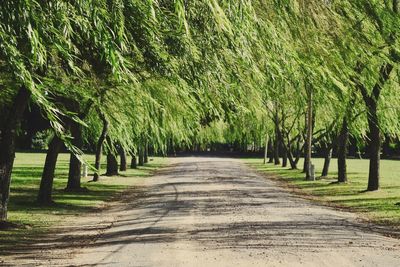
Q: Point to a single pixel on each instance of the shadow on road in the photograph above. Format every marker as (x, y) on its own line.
(258, 214)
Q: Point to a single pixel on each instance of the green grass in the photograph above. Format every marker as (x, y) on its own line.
(379, 206)
(26, 175)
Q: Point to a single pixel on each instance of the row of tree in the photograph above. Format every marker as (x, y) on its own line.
(346, 54)
(332, 77)
(125, 75)
(120, 74)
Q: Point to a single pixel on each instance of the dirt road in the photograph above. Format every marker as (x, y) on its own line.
(217, 212)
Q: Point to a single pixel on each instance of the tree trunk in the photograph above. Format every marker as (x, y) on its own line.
(287, 153)
(133, 162)
(7, 147)
(123, 164)
(308, 152)
(284, 158)
(298, 151)
(292, 161)
(99, 147)
(277, 160)
(271, 149)
(327, 161)
(343, 141)
(169, 147)
(146, 153)
(112, 164)
(374, 134)
(305, 147)
(46, 183)
(141, 156)
(266, 149)
(277, 141)
(374, 137)
(75, 166)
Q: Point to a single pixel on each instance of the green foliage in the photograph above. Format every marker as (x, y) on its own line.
(198, 72)
(223, 60)
(41, 139)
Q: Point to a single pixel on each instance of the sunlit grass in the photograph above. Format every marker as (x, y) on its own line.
(27, 172)
(380, 206)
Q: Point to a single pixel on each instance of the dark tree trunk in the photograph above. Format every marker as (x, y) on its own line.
(146, 153)
(75, 166)
(283, 148)
(171, 150)
(99, 148)
(284, 158)
(327, 160)
(374, 137)
(277, 142)
(112, 164)
(133, 162)
(308, 147)
(266, 149)
(292, 161)
(298, 151)
(305, 147)
(46, 183)
(343, 141)
(277, 160)
(123, 164)
(169, 147)
(74, 174)
(352, 149)
(374, 134)
(287, 152)
(7, 147)
(271, 152)
(141, 156)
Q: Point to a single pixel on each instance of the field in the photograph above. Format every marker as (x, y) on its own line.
(382, 206)
(23, 209)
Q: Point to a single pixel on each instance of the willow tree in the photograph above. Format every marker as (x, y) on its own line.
(88, 36)
(356, 48)
(373, 25)
(301, 59)
(33, 46)
(173, 75)
(362, 57)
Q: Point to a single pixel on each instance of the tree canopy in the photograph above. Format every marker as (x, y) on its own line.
(174, 73)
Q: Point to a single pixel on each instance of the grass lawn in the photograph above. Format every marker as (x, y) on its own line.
(26, 175)
(380, 206)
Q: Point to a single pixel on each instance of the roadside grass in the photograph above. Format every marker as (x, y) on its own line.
(23, 209)
(381, 206)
